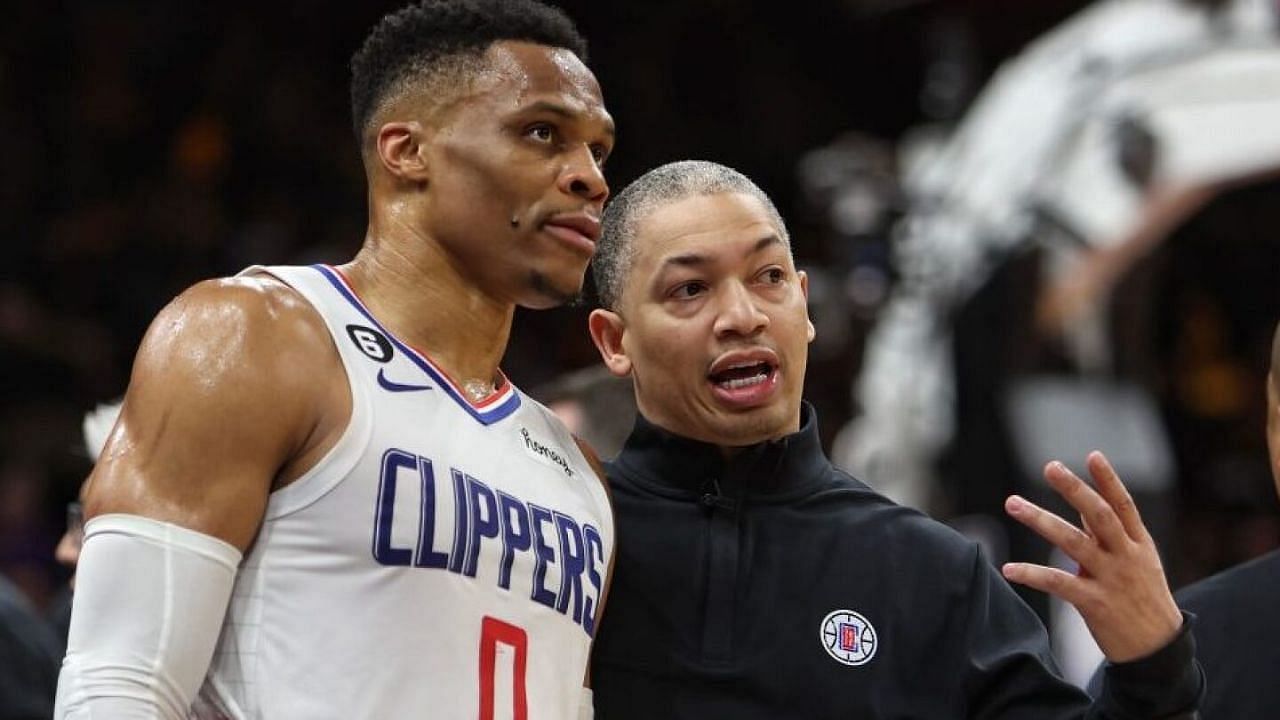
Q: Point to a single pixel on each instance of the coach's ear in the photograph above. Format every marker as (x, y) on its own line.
(804, 292)
(607, 329)
(401, 150)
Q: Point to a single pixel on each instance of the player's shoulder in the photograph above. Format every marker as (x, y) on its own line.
(253, 298)
(240, 313)
(244, 329)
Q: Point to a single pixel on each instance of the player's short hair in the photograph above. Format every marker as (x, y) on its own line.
(446, 39)
(665, 184)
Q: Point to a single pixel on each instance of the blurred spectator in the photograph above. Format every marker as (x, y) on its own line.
(29, 659)
(1094, 143)
(596, 406)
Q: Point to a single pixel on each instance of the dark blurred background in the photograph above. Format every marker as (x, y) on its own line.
(145, 145)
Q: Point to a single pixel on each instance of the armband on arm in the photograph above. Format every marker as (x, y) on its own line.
(147, 611)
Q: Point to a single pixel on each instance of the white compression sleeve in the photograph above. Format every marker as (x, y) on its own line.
(147, 611)
(586, 705)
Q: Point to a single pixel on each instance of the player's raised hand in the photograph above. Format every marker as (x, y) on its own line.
(1121, 590)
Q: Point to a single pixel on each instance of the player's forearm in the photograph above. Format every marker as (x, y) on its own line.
(148, 609)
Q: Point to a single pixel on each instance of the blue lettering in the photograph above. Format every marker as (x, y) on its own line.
(515, 534)
(595, 549)
(572, 561)
(427, 556)
(483, 524)
(480, 512)
(460, 516)
(543, 554)
(384, 514)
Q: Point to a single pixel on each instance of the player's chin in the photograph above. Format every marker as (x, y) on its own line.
(547, 291)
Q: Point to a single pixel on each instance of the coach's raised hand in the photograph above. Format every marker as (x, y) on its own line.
(1120, 590)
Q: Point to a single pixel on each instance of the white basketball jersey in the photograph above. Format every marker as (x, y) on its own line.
(444, 560)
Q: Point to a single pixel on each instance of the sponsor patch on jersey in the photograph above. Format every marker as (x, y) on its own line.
(545, 451)
(848, 637)
(371, 342)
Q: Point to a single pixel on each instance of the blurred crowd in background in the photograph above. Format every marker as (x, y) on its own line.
(145, 145)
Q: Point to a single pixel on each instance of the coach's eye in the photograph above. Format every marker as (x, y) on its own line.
(691, 289)
(773, 275)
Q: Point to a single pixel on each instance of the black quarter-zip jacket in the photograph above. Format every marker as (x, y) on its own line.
(777, 586)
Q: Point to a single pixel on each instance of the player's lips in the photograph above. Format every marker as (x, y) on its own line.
(579, 229)
(744, 378)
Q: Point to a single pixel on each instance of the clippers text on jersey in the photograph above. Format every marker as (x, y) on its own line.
(495, 535)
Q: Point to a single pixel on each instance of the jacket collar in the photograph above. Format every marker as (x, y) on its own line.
(678, 466)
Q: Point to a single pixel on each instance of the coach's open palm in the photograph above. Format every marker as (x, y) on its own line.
(1121, 589)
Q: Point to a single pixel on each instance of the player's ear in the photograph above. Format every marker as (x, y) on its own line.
(607, 329)
(401, 149)
(804, 292)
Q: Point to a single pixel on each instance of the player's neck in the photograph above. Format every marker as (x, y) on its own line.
(423, 301)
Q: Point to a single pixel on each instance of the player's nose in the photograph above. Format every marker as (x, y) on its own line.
(583, 177)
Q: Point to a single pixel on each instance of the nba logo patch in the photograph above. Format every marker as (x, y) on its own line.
(848, 637)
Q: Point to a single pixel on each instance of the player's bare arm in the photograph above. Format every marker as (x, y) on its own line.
(230, 394)
(1121, 590)
(229, 397)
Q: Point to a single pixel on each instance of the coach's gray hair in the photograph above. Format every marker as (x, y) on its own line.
(661, 185)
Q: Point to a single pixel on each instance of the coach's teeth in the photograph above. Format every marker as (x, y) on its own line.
(742, 375)
(744, 382)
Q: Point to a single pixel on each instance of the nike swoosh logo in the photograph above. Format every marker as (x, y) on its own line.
(395, 386)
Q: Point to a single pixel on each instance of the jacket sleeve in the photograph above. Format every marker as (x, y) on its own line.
(1167, 684)
(1010, 673)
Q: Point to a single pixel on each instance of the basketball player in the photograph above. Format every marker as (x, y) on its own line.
(754, 579)
(323, 499)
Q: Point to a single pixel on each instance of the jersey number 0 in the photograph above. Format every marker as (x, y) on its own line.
(510, 643)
